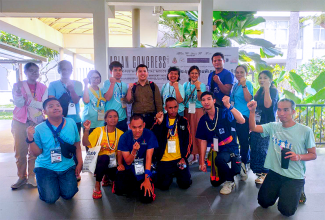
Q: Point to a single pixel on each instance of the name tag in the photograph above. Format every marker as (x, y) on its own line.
(101, 115)
(56, 156)
(112, 161)
(191, 108)
(257, 117)
(138, 166)
(72, 109)
(171, 146)
(123, 103)
(215, 144)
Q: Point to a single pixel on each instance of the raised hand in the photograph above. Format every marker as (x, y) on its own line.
(131, 85)
(70, 85)
(226, 102)
(197, 85)
(216, 78)
(112, 80)
(252, 106)
(87, 125)
(86, 81)
(30, 132)
(160, 117)
(242, 81)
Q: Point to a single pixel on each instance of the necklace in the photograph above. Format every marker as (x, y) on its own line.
(215, 123)
(114, 144)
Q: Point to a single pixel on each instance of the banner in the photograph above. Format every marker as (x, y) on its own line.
(159, 60)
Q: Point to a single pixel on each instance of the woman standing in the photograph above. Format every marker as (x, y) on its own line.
(267, 98)
(173, 89)
(241, 94)
(107, 157)
(193, 107)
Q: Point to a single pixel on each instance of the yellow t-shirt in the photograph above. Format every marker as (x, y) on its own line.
(172, 156)
(105, 150)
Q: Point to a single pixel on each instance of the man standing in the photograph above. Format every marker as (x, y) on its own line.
(137, 147)
(216, 129)
(288, 140)
(115, 92)
(221, 80)
(173, 135)
(145, 96)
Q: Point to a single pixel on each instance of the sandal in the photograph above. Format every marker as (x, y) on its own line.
(303, 198)
(106, 181)
(97, 194)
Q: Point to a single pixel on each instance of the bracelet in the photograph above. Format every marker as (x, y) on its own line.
(133, 154)
(28, 141)
(231, 107)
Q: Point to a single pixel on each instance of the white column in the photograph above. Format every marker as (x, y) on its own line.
(61, 51)
(205, 13)
(136, 27)
(75, 66)
(100, 22)
(308, 41)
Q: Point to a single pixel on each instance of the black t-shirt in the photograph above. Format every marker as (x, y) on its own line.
(267, 114)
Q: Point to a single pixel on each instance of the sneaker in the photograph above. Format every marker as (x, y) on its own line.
(19, 183)
(243, 172)
(228, 186)
(260, 178)
(193, 159)
(32, 181)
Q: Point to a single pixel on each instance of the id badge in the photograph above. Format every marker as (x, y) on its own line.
(112, 161)
(123, 102)
(257, 117)
(138, 166)
(72, 109)
(191, 108)
(171, 146)
(56, 156)
(215, 144)
(101, 115)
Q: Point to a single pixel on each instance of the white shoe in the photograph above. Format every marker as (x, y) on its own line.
(19, 183)
(228, 186)
(32, 181)
(243, 172)
(261, 177)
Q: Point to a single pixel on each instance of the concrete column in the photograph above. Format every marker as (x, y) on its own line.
(61, 51)
(205, 13)
(75, 66)
(308, 41)
(100, 22)
(136, 27)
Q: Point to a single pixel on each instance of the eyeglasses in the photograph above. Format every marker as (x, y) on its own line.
(93, 78)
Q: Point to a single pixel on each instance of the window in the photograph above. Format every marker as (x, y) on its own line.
(319, 33)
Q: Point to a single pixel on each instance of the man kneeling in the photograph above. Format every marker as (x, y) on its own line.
(54, 142)
(137, 147)
(174, 148)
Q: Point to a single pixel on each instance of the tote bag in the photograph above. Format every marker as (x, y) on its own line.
(92, 155)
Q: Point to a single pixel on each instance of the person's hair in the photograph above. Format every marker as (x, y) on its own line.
(218, 54)
(140, 65)
(170, 99)
(90, 73)
(270, 76)
(174, 68)
(207, 93)
(293, 104)
(109, 111)
(136, 117)
(48, 100)
(242, 66)
(115, 64)
(61, 63)
(191, 69)
(29, 65)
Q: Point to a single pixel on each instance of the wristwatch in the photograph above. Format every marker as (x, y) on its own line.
(28, 141)
(198, 90)
(245, 86)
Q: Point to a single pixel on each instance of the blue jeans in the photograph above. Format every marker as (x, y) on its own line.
(53, 184)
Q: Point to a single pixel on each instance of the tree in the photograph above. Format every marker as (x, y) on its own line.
(317, 19)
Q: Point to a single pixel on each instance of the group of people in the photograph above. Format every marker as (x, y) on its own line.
(167, 127)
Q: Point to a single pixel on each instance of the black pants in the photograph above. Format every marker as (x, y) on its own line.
(167, 170)
(102, 169)
(224, 171)
(286, 189)
(149, 119)
(126, 183)
(243, 137)
(123, 125)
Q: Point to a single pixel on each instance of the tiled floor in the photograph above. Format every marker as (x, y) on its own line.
(200, 201)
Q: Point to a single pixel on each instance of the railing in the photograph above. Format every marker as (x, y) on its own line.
(311, 115)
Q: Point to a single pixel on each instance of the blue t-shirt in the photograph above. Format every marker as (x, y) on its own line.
(57, 89)
(226, 77)
(44, 140)
(147, 141)
(169, 91)
(90, 111)
(267, 114)
(298, 138)
(225, 130)
(120, 90)
(237, 96)
(188, 87)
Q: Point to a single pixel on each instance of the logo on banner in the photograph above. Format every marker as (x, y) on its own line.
(174, 60)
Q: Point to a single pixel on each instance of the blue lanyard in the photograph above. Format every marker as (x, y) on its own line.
(56, 132)
(172, 127)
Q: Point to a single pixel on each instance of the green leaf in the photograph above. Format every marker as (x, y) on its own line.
(259, 42)
(319, 82)
(256, 32)
(292, 96)
(320, 95)
(298, 82)
(281, 76)
(251, 22)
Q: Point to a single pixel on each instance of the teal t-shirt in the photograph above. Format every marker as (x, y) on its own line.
(57, 89)
(188, 87)
(120, 90)
(237, 96)
(169, 91)
(90, 111)
(298, 138)
(44, 140)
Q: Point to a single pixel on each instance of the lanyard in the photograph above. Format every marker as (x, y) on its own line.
(114, 144)
(56, 133)
(120, 88)
(191, 95)
(100, 98)
(68, 92)
(171, 95)
(172, 128)
(215, 121)
(234, 91)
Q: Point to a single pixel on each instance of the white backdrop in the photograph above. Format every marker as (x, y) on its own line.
(159, 60)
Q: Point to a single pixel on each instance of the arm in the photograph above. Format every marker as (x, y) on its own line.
(33, 146)
(179, 97)
(247, 95)
(85, 96)
(252, 123)
(238, 116)
(203, 150)
(18, 98)
(311, 155)
(198, 90)
(129, 157)
(85, 140)
(158, 101)
(110, 91)
(267, 98)
(146, 183)
(75, 98)
(120, 166)
(129, 95)
(79, 158)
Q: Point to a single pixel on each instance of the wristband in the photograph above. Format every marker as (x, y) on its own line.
(231, 107)
(28, 141)
(148, 172)
(245, 86)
